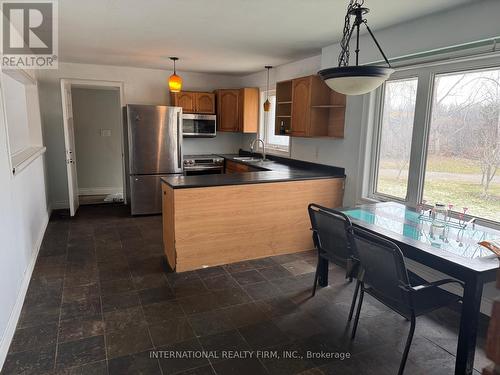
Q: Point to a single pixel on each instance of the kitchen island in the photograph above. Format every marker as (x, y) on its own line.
(211, 220)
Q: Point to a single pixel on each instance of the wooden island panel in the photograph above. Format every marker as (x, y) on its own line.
(224, 224)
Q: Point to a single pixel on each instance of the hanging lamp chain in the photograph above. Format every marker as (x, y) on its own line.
(347, 32)
(267, 96)
(356, 9)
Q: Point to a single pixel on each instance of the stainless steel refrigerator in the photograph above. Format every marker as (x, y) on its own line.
(153, 149)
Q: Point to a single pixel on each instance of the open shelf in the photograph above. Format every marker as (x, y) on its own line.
(284, 92)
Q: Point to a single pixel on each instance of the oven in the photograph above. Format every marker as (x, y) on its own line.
(198, 126)
(203, 164)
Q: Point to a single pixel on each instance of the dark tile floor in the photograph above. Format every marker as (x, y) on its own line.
(101, 300)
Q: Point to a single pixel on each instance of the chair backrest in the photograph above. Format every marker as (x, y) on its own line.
(330, 231)
(382, 264)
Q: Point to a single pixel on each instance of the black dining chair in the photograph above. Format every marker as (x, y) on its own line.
(330, 236)
(384, 276)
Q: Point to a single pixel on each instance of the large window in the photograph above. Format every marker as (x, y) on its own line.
(396, 129)
(274, 143)
(463, 152)
(438, 138)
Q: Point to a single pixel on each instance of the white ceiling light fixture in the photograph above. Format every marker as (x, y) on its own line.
(356, 79)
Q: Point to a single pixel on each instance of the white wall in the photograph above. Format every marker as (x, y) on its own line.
(465, 24)
(98, 158)
(23, 219)
(337, 152)
(141, 86)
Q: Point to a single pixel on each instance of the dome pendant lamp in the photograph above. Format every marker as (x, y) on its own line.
(175, 81)
(355, 79)
(267, 103)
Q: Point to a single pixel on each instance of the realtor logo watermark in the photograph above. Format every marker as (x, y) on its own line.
(29, 34)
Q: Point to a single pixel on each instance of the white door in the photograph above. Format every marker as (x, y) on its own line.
(69, 142)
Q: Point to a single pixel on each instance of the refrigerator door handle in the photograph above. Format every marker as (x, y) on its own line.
(179, 140)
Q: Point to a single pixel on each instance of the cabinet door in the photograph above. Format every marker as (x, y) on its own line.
(186, 100)
(205, 102)
(249, 110)
(301, 95)
(227, 102)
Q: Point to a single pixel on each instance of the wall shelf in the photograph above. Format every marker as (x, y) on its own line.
(307, 107)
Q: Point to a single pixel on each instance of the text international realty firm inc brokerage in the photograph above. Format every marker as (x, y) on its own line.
(247, 354)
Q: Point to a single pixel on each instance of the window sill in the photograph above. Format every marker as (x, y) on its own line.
(20, 160)
(271, 151)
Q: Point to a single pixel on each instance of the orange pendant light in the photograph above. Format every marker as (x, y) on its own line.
(175, 81)
(267, 103)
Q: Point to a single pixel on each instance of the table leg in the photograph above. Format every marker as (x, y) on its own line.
(323, 272)
(466, 347)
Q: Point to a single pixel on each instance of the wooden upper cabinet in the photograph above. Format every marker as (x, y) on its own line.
(186, 100)
(248, 110)
(194, 102)
(205, 102)
(227, 110)
(307, 107)
(301, 107)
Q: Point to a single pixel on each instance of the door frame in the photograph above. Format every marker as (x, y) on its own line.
(90, 83)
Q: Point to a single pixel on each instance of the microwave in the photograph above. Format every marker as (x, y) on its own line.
(195, 125)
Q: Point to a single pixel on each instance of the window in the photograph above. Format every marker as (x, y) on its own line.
(463, 151)
(278, 144)
(438, 137)
(396, 130)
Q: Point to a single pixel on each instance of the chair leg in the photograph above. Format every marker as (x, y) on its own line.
(316, 277)
(358, 311)
(407, 346)
(354, 298)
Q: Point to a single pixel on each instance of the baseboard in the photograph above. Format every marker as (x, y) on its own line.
(16, 311)
(100, 191)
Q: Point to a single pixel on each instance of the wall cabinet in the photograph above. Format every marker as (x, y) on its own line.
(227, 110)
(194, 101)
(238, 110)
(307, 107)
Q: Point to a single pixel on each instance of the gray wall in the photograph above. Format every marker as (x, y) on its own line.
(98, 158)
(141, 86)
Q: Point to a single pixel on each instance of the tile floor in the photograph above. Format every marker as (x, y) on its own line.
(101, 299)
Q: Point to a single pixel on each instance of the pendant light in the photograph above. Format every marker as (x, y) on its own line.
(355, 79)
(175, 81)
(267, 103)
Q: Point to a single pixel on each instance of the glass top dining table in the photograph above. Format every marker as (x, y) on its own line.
(456, 237)
(451, 249)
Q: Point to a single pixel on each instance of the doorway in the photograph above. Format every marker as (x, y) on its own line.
(94, 142)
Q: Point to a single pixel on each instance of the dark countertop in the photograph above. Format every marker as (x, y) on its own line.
(276, 169)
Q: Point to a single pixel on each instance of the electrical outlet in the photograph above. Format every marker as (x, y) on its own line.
(105, 132)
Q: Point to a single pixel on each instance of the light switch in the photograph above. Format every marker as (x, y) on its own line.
(105, 132)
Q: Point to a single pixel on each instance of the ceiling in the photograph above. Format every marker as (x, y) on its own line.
(223, 36)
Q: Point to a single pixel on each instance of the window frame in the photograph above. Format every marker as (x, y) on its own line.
(271, 148)
(426, 75)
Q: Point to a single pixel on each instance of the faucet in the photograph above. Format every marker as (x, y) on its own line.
(252, 145)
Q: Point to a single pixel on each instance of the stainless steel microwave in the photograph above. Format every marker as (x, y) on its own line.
(194, 125)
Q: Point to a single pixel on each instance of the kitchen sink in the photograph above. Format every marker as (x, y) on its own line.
(247, 158)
